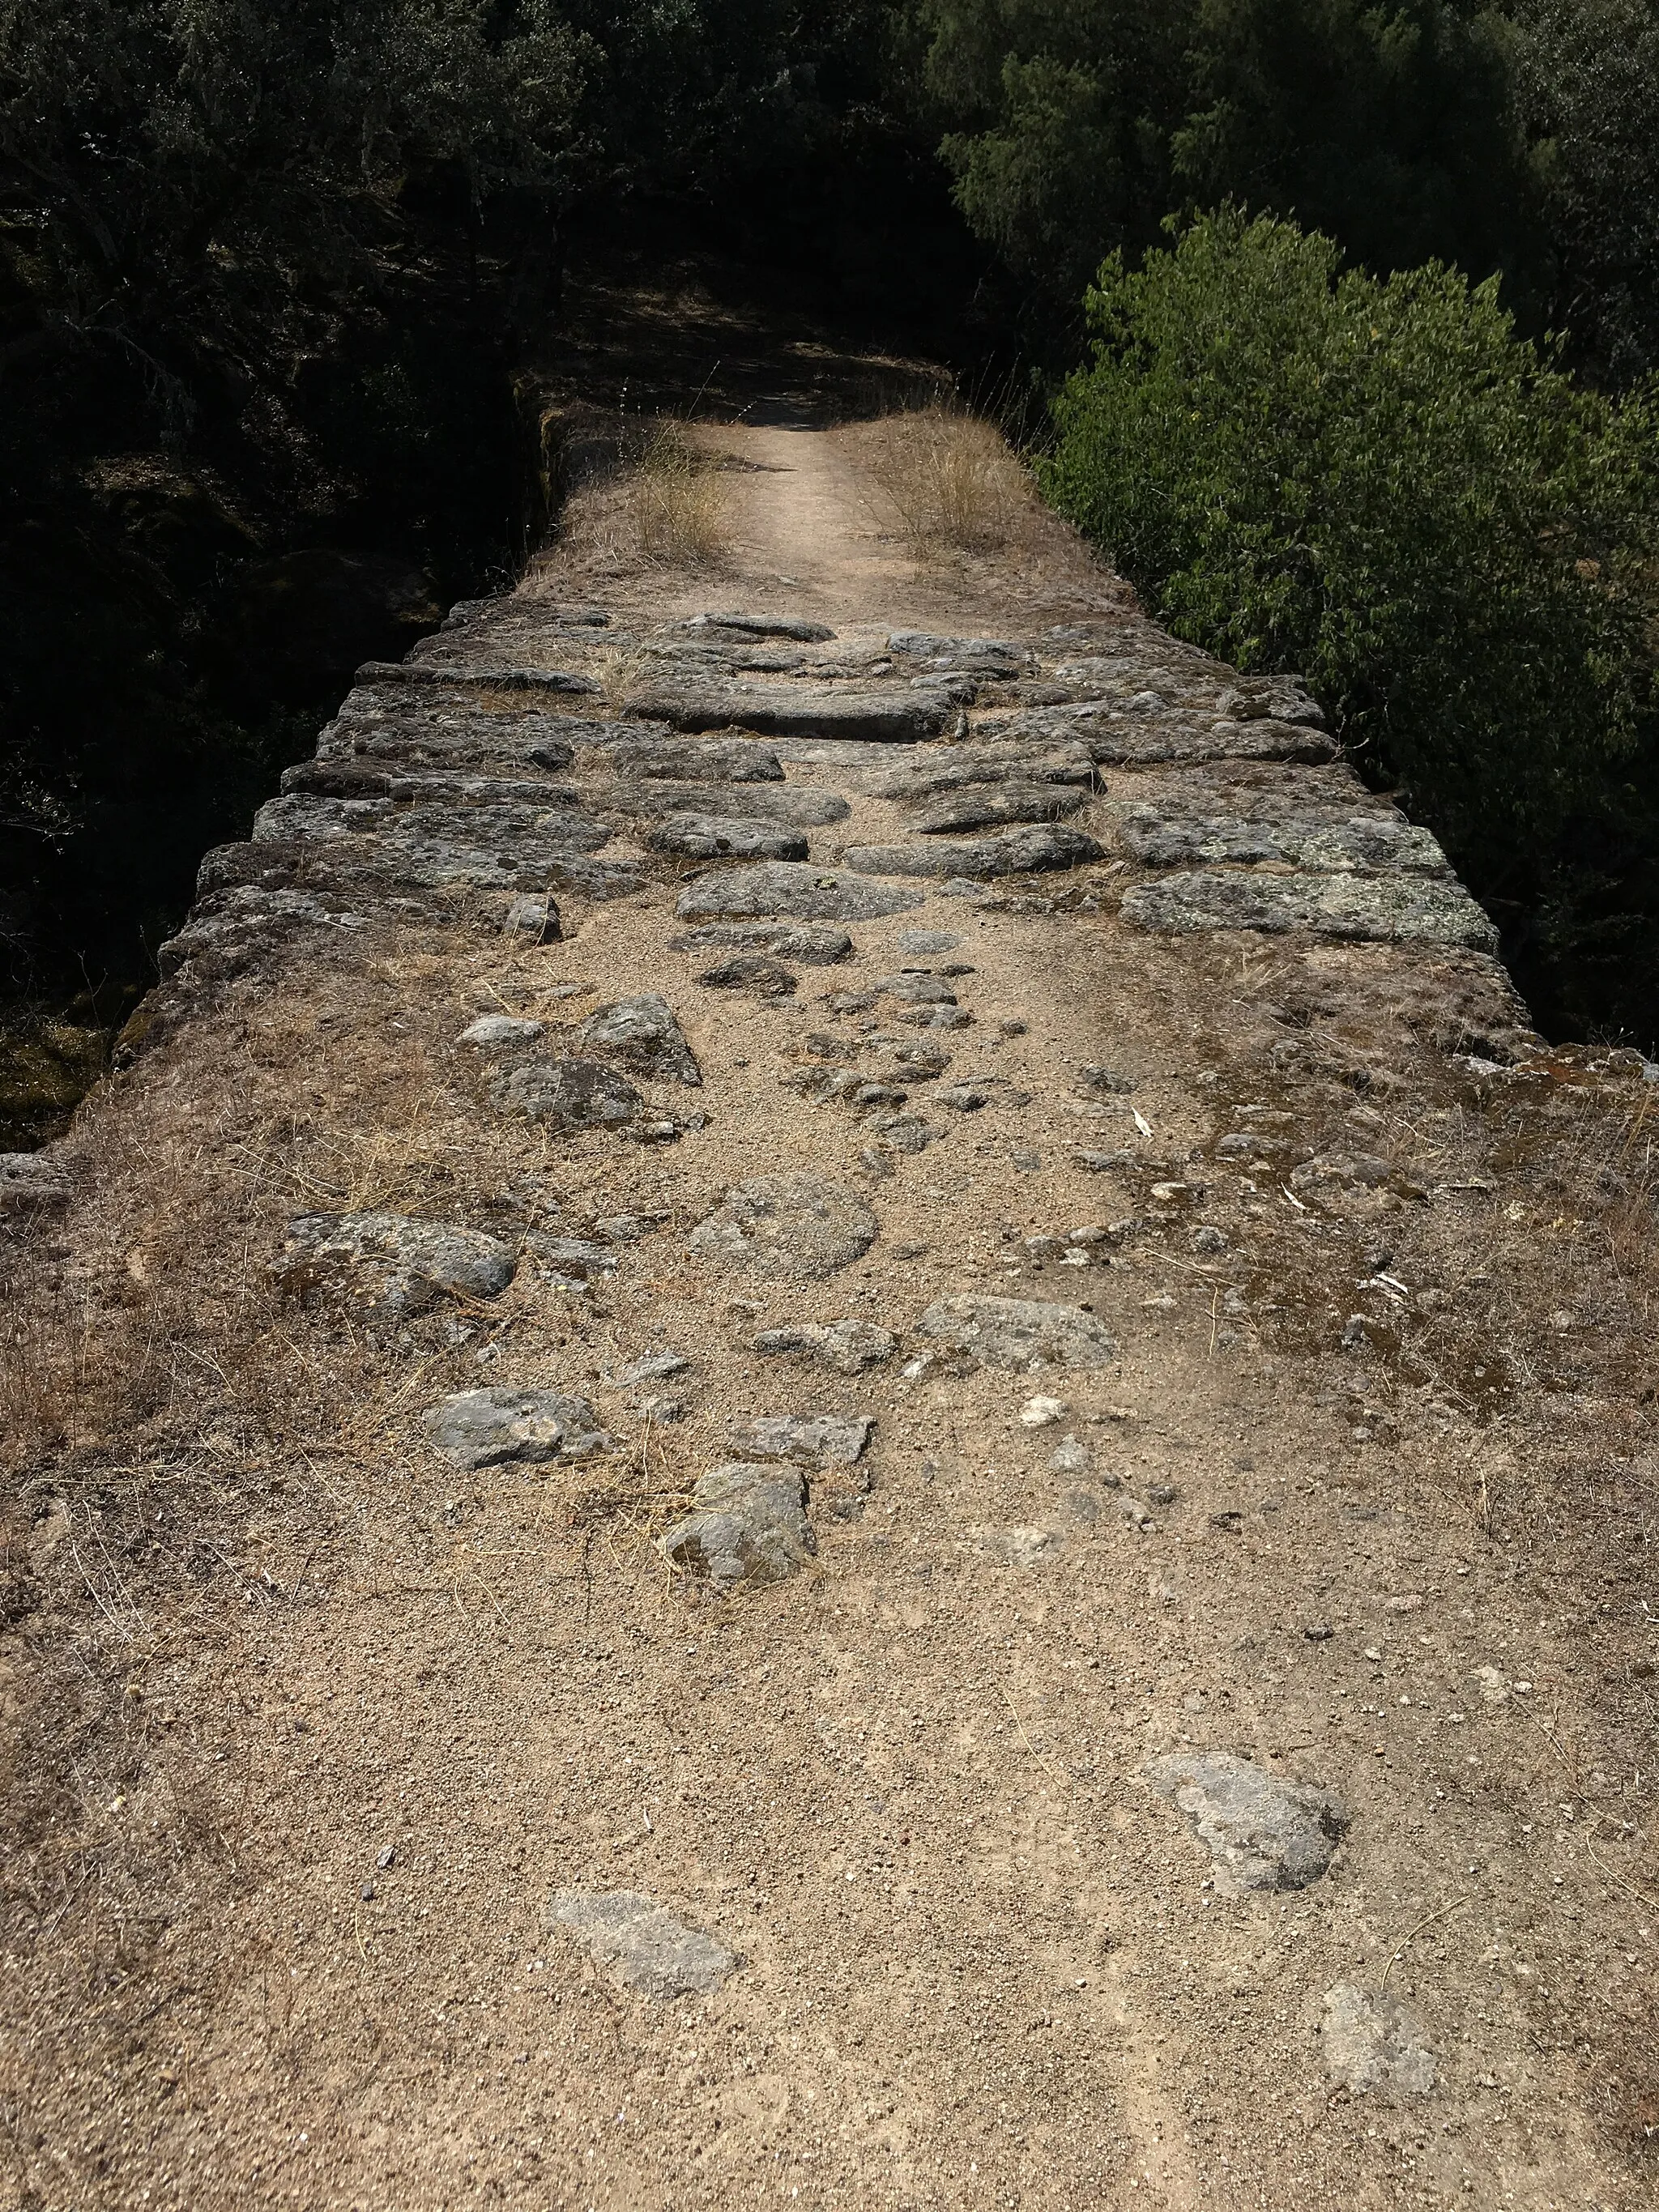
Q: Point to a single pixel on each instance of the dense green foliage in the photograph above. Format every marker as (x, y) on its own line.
(1376, 482)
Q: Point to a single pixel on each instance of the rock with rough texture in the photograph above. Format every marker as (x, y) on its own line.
(812, 948)
(390, 1266)
(1020, 1334)
(501, 1426)
(568, 1095)
(985, 806)
(1264, 1831)
(642, 1033)
(1027, 851)
(812, 1439)
(941, 771)
(779, 887)
(1384, 910)
(641, 1941)
(786, 1228)
(751, 972)
(726, 837)
(1116, 737)
(31, 1183)
(497, 678)
(1371, 2041)
(748, 1525)
(693, 760)
(896, 717)
(495, 1031)
(454, 738)
(850, 1346)
(794, 626)
(1359, 844)
(534, 916)
(792, 806)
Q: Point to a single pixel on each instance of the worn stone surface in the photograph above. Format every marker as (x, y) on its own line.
(812, 948)
(568, 1095)
(796, 627)
(1112, 737)
(1369, 842)
(812, 1439)
(726, 837)
(791, 806)
(1384, 910)
(642, 1942)
(390, 1266)
(642, 1034)
(1014, 852)
(501, 1425)
(786, 1228)
(937, 771)
(496, 1030)
(748, 1525)
(850, 1347)
(751, 972)
(1370, 2042)
(30, 1183)
(779, 887)
(691, 760)
(454, 738)
(1263, 1830)
(896, 717)
(1022, 1333)
(982, 806)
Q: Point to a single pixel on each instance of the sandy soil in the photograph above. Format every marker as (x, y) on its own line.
(297, 1762)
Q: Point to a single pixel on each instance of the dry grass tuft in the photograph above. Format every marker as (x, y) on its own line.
(678, 500)
(955, 483)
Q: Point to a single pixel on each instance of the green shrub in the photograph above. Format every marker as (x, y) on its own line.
(1377, 483)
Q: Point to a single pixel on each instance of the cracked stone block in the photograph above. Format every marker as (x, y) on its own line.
(568, 1095)
(642, 1033)
(781, 887)
(985, 807)
(934, 774)
(691, 760)
(502, 1426)
(748, 1525)
(1359, 843)
(786, 1228)
(1026, 851)
(1382, 909)
(796, 806)
(391, 1266)
(1019, 1334)
(813, 1439)
(812, 948)
(798, 710)
(641, 1941)
(850, 1347)
(1369, 2041)
(1263, 1830)
(729, 836)
(794, 626)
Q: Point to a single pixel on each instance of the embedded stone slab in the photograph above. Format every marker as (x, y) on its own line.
(442, 786)
(1263, 1830)
(1362, 843)
(813, 948)
(568, 1095)
(977, 656)
(643, 1034)
(541, 826)
(1379, 909)
(643, 1944)
(986, 807)
(460, 738)
(779, 887)
(812, 1439)
(757, 972)
(1142, 740)
(800, 710)
(1020, 1334)
(959, 768)
(31, 1183)
(502, 678)
(1024, 851)
(690, 760)
(391, 1266)
(850, 1346)
(748, 1525)
(746, 625)
(493, 1031)
(786, 1229)
(800, 805)
(1370, 2042)
(718, 837)
(502, 1426)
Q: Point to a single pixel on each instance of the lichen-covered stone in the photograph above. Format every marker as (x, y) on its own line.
(643, 1034)
(390, 1266)
(568, 1095)
(786, 1228)
(1385, 909)
(748, 1525)
(1022, 1333)
(1024, 851)
(502, 1426)
(779, 887)
(726, 837)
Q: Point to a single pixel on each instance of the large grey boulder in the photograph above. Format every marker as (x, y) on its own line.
(1020, 1334)
(641, 1941)
(748, 1524)
(779, 887)
(1356, 844)
(1369, 2041)
(500, 1426)
(786, 1229)
(726, 837)
(390, 1266)
(568, 1095)
(1264, 1831)
(642, 1033)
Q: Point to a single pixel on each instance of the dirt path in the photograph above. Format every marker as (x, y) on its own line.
(350, 1746)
